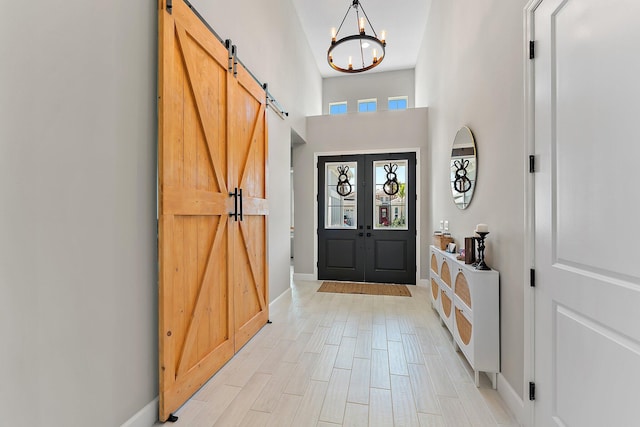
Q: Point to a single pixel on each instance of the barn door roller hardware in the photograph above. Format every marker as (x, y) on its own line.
(275, 105)
(233, 59)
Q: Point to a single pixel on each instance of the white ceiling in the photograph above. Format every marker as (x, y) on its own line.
(404, 23)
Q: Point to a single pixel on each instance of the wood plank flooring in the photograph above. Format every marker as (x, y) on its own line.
(347, 360)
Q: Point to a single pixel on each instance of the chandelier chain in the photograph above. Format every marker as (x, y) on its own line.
(343, 19)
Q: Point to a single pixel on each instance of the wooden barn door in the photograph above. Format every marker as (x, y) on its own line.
(213, 278)
(247, 171)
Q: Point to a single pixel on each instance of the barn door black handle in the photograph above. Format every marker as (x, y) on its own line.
(240, 196)
(234, 214)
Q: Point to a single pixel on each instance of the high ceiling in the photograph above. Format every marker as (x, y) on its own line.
(403, 21)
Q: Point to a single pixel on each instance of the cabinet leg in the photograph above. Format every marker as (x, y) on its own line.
(494, 380)
(477, 378)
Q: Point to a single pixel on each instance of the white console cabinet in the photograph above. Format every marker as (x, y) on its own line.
(468, 302)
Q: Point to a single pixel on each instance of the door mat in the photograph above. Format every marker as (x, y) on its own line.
(365, 288)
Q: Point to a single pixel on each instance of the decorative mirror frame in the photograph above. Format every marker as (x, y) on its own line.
(463, 168)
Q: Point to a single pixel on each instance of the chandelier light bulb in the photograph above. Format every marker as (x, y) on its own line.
(383, 36)
(361, 25)
(334, 32)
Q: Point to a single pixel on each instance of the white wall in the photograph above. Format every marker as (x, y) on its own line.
(78, 213)
(470, 72)
(352, 88)
(384, 130)
(279, 257)
(78, 266)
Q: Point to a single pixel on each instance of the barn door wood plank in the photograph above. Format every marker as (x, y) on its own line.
(200, 102)
(256, 123)
(253, 265)
(165, 295)
(200, 301)
(194, 202)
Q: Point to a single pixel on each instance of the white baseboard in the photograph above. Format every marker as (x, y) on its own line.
(423, 282)
(279, 297)
(302, 276)
(145, 417)
(513, 401)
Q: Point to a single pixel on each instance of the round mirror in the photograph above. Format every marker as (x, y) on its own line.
(463, 167)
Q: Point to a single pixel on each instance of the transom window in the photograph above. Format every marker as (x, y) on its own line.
(338, 107)
(367, 105)
(398, 103)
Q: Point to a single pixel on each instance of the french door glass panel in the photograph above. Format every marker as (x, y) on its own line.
(341, 195)
(390, 201)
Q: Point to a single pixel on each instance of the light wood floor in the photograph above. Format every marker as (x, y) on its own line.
(350, 360)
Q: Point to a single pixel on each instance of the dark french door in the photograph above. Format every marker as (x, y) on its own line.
(367, 218)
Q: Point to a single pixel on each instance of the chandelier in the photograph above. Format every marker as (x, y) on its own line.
(367, 50)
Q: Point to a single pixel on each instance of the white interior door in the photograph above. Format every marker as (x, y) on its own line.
(587, 215)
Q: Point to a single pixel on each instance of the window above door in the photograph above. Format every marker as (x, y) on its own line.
(367, 105)
(338, 108)
(398, 102)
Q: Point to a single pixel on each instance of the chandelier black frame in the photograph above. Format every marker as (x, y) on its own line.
(361, 38)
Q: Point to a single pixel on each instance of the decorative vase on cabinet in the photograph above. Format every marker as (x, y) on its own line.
(468, 302)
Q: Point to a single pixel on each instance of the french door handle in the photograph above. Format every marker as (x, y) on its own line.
(368, 234)
(240, 195)
(234, 214)
(360, 234)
